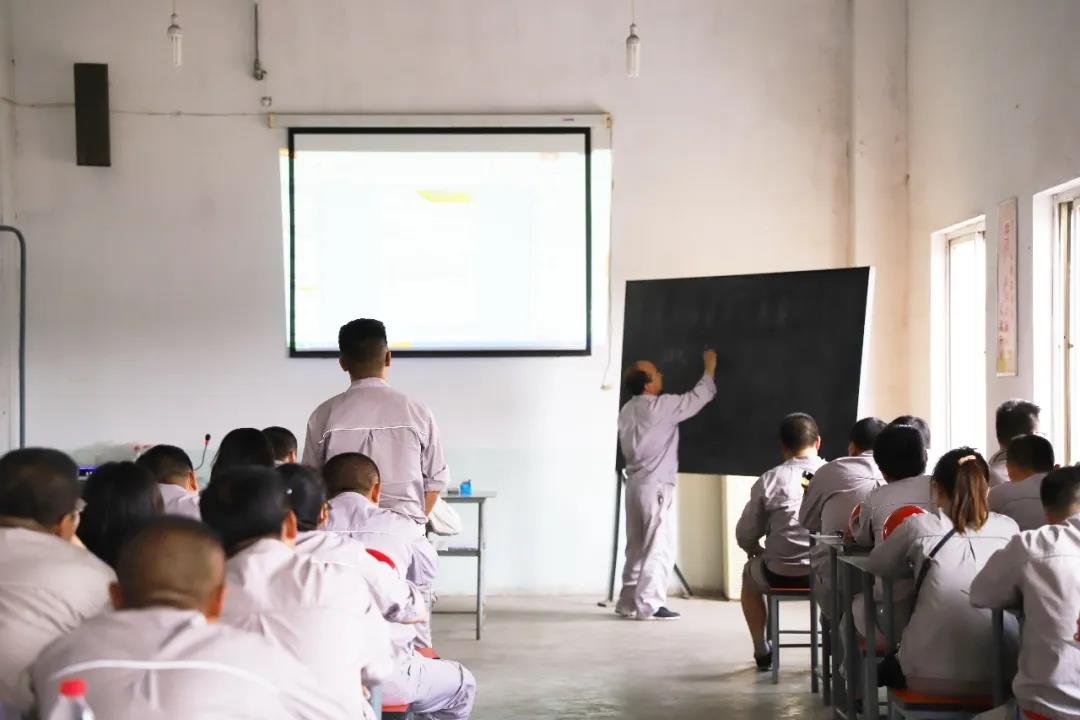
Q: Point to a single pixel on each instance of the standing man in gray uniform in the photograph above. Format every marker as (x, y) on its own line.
(649, 439)
(372, 418)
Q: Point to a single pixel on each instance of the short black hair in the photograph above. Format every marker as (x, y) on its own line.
(282, 442)
(242, 446)
(350, 472)
(244, 503)
(121, 498)
(166, 463)
(1060, 491)
(362, 343)
(865, 433)
(798, 431)
(1031, 452)
(900, 451)
(919, 424)
(171, 561)
(38, 484)
(1015, 417)
(307, 494)
(635, 381)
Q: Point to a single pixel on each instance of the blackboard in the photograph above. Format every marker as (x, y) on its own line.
(786, 342)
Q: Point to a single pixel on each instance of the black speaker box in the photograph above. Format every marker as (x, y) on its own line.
(92, 114)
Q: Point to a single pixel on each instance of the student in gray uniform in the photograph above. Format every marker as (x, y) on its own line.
(162, 655)
(433, 688)
(1039, 572)
(397, 432)
(1013, 419)
(175, 475)
(900, 454)
(283, 443)
(836, 489)
(772, 513)
(323, 614)
(945, 646)
(48, 585)
(1028, 459)
(649, 440)
(120, 498)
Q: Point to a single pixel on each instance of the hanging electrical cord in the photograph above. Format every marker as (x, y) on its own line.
(257, 69)
(633, 45)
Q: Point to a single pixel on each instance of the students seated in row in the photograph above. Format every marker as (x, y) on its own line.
(282, 443)
(836, 489)
(323, 614)
(945, 646)
(900, 454)
(240, 448)
(175, 475)
(438, 689)
(48, 585)
(354, 486)
(1039, 572)
(162, 655)
(1028, 459)
(120, 498)
(1013, 419)
(773, 514)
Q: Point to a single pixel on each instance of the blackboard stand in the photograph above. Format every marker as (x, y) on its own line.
(620, 480)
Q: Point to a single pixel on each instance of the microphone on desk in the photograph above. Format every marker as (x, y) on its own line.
(206, 444)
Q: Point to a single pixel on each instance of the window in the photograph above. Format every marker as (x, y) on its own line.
(1067, 325)
(965, 333)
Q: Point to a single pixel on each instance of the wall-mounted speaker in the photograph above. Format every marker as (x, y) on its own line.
(92, 114)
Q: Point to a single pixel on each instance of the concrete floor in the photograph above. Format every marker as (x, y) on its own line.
(567, 658)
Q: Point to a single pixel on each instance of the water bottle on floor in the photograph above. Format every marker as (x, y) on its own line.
(72, 703)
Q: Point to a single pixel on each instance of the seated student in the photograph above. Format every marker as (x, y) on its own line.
(1028, 459)
(120, 498)
(354, 488)
(772, 513)
(943, 649)
(162, 655)
(175, 475)
(47, 584)
(1013, 418)
(1039, 571)
(900, 454)
(433, 688)
(836, 489)
(324, 614)
(242, 447)
(283, 444)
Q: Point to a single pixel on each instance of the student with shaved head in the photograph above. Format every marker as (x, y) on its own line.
(175, 475)
(324, 614)
(47, 584)
(649, 440)
(354, 488)
(433, 688)
(162, 655)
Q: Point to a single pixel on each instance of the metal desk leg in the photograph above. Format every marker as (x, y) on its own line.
(870, 693)
(998, 621)
(479, 568)
(836, 627)
(851, 646)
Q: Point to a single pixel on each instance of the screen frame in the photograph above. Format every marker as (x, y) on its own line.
(584, 131)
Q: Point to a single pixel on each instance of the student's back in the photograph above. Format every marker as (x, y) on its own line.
(1039, 571)
(1020, 501)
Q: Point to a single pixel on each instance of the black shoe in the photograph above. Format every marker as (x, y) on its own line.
(665, 614)
(764, 662)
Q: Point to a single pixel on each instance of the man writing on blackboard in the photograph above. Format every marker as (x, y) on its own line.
(649, 439)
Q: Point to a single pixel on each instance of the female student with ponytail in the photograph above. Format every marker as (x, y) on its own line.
(944, 647)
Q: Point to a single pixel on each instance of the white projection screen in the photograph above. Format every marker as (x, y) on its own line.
(464, 241)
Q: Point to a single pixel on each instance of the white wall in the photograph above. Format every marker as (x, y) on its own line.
(156, 290)
(8, 253)
(994, 106)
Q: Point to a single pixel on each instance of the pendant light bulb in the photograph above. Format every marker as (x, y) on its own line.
(176, 39)
(633, 53)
